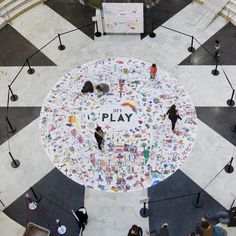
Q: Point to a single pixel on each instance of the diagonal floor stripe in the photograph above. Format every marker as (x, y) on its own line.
(56, 202)
(220, 119)
(181, 216)
(226, 36)
(17, 48)
(19, 117)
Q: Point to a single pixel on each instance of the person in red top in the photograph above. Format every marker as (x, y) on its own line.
(153, 71)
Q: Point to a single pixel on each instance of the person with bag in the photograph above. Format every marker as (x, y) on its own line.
(205, 229)
(173, 115)
(82, 218)
(135, 231)
(99, 136)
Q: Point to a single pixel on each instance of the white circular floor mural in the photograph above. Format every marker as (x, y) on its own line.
(140, 148)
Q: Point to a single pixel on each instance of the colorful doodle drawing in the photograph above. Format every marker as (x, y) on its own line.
(140, 148)
(131, 105)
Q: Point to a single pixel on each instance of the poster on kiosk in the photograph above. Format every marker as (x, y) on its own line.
(123, 18)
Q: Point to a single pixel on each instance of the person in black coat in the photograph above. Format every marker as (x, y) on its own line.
(135, 231)
(173, 115)
(99, 136)
(88, 87)
(82, 218)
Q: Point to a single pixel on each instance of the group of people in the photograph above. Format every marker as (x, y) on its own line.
(207, 226)
(172, 113)
(103, 88)
(207, 229)
(137, 231)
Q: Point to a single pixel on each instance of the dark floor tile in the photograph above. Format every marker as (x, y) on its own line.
(179, 213)
(19, 117)
(202, 56)
(220, 119)
(59, 195)
(15, 49)
(161, 13)
(75, 13)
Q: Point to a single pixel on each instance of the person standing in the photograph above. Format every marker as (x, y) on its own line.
(217, 48)
(173, 115)
(82, 217)
(192, 234)
(153, 71)
(205, 229)
(163, 231)
(135, 231)
(99, 136)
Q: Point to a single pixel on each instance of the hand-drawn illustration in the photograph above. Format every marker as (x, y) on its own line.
(140, 148)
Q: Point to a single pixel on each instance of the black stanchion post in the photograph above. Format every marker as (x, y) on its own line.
(13, 97)
(30, 70)
(61, 228)
(233, 128)
(144, 212)
(37, 198)
(2, 203)
(15, 163)
(229, 168)
(97, 33)
(198, 203)
(191, 48)
(152, 34)
(231, 102)
(61, 46)
(13, 130)
(32, 205)
(215, 71)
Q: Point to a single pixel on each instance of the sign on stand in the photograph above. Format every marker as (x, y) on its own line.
(123, 17)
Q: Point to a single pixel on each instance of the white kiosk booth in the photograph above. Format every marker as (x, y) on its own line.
(123, 18)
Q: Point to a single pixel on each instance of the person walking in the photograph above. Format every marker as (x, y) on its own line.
(173, 115)
(82, 217)
(162, 232)
(99, 136)
(217, 48)
(135, 231)
(153, 71)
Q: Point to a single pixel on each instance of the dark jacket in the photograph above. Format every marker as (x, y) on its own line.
(88, 87)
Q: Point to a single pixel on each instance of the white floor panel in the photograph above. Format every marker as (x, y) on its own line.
(211, 152)
(114, 213)
(39, 32)
(204, 88)
(10, 227)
